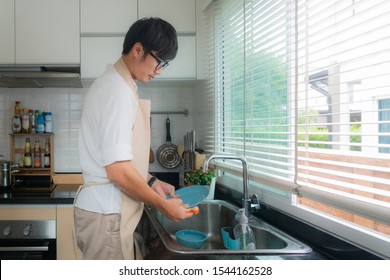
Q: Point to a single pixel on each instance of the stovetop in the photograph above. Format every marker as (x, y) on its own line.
(20, 189)
(30, 185)
(55, 194)
(33, 189)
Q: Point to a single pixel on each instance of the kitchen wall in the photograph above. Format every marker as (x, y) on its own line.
(66, 105)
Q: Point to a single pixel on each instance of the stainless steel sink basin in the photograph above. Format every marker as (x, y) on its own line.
(213, 216)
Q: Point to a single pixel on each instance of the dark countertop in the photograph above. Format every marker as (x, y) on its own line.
(62, 194)
(324, 245)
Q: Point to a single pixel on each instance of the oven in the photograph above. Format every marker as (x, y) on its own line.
(28, 240)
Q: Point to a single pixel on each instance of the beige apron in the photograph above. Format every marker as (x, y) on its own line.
(131, 210)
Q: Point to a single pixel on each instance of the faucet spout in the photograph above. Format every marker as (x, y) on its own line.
(245, 177)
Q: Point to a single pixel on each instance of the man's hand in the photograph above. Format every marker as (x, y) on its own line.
(164, 189)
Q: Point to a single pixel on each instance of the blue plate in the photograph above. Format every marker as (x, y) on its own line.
(193, 195)
(191, 238)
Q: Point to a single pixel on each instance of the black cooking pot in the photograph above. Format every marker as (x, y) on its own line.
(7, 168)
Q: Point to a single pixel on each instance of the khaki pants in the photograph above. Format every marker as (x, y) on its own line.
(98, 235)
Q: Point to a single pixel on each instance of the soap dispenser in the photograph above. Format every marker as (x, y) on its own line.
(244, 233)
(237, 217)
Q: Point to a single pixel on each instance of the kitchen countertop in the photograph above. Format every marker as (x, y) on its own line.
(324, 246)
(62, 194)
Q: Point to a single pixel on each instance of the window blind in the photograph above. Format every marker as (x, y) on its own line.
(342, 103)
(302, 89)
(253, 114)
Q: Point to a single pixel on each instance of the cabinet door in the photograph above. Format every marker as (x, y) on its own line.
(180, 13)
(102, 16)
(65, 243)
(184, 65)
(7, 31)
(97, 52)
(47, 32)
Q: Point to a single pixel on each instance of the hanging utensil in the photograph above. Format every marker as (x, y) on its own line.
(151, 153)
(192, 158)
(167, 154)
(186, 155)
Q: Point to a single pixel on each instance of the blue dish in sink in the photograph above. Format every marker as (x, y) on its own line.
(191, 238)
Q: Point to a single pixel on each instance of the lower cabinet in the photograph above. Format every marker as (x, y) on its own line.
(65, 242)
(61, 213)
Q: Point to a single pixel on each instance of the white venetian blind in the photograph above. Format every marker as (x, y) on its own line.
(343, 103)
(302, 89)
(253, 112)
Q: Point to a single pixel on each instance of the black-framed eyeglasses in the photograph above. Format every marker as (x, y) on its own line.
(160, 64)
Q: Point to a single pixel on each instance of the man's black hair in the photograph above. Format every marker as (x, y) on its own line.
(155, 34)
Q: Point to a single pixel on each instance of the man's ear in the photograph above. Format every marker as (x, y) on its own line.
(137, 49)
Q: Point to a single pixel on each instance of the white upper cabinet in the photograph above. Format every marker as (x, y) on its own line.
(180, 13)
(47, 32)
(102, 16)
(184, 65)
(7, 32)
(97, 53)
(105, 23)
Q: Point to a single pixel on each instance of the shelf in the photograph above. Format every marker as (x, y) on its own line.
(184, 112)
(32, 134)
(30, 174)
(33, 169)
(17, 150)
(43, 171)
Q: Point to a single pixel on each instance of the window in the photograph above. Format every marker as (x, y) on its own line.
(302, 90)
(384, 125)
(253, 111)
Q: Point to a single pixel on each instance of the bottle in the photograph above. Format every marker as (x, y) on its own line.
(36, 114)
(244, 234)
(25, 121)
(237, 217)
(48, 122)
(33, 124)
(16, 119)
(37, 154)
(40, 124)
(46, 155)
(27, 157)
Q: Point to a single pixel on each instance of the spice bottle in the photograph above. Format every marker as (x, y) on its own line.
(46, 155)
(27, 158)
(16, 119)
(48, 122)
(33, 123)
(40, 124)
(37, 154)
(25, 121)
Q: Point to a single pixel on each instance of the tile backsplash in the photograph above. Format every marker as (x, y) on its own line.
(66, 106)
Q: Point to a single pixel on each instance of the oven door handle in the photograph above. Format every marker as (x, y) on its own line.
(25, 248)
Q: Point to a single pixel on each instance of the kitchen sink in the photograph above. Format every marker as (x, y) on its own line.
(214, 215)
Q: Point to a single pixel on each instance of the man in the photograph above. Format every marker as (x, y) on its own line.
(114, 141)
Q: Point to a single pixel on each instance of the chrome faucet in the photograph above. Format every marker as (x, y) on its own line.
(249, 204)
